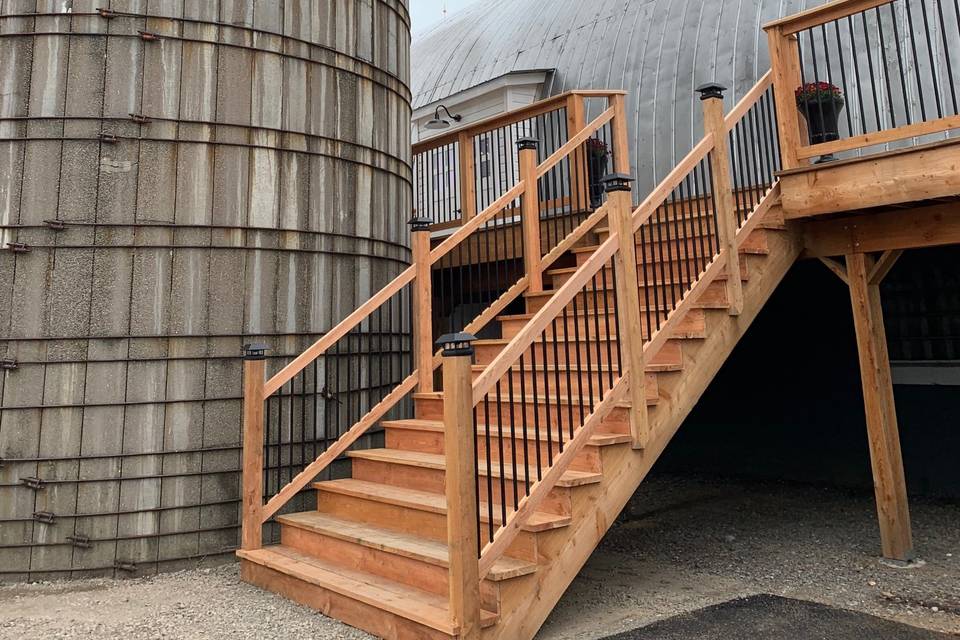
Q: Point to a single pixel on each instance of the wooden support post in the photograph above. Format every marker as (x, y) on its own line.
(620, 206)
(882, 432)
(460, 448)
(713, 123)
(422, 303)
(468, 178)
(530, 214)
(579, 176)
(254, 376)
(785, 62)
(621, 147)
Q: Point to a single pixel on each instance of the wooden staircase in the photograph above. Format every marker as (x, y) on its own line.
(374, 552)
(488, 496)
(560, 443)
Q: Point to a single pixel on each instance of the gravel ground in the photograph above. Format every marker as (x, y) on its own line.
(681, 544)
(685, 543)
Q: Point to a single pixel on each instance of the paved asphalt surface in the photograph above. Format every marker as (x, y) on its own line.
(767, 617)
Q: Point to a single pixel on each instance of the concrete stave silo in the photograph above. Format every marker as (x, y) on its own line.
(176, 179)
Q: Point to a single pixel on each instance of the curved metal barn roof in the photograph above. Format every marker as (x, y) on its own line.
(658, 50)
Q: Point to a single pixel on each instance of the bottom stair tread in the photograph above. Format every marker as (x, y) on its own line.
(397, 543)
(413, 604)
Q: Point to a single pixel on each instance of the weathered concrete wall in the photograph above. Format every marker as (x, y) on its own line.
(262, 195)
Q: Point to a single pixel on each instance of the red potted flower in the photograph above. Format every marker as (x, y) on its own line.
(821, 104)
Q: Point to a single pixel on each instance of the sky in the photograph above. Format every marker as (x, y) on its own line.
(426, 13)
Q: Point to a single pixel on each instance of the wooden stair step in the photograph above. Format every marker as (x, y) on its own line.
(424, 608)
(435, 426)
(437, 462)
(429, 551)
(426, 501)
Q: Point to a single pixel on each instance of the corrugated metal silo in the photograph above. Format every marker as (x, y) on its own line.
(176, 179)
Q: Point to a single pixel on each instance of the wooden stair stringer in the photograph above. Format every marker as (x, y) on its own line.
(595, 507)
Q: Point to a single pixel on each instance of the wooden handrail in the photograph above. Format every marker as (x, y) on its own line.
(821, 15)
(747, 101)
(320, 347)
(476, 222)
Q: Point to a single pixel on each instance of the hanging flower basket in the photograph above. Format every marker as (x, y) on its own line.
(821, 104)
(598, 154)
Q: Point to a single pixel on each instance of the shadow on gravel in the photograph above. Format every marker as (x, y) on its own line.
(773, 618)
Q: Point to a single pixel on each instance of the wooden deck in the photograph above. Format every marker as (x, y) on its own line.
(910, 176)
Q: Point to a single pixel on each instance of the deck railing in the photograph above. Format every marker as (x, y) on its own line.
(895, 64)
(458, 173)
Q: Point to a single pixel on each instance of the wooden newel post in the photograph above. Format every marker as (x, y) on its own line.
(620, 206)
(254, 370)
(530, 213)
(785, 63)
(727, 224)
(460, 447)
(422, 302)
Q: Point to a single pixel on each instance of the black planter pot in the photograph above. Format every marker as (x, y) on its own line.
(823, 121)
(596, 169)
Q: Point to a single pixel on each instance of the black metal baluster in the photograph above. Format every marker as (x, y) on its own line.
(688, 191)
(644, 276)
(513, 435)
(757, 153)
(546, 396)
(597, 336)
(576, 351)
(534, 374)
(524, 429)
(556, 375)
(566, 353)
(706, 242)
(607, 291)
(503, 475)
